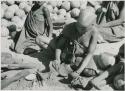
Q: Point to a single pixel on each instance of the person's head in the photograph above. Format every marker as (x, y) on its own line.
(121, 55)
(85, 20)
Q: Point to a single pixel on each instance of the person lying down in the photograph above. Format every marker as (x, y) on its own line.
(115, 74)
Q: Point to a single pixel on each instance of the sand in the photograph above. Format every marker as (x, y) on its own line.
(57, 83)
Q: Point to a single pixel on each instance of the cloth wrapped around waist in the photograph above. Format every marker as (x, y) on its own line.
(34, 26)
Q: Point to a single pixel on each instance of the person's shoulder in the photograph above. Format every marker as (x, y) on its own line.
(69, 26)
(69, 29)
(44, 8)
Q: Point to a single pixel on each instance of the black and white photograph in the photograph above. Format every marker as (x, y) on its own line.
(62, 45)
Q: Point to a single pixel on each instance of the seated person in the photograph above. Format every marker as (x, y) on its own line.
(38, 23)
(111, 23)
(111, 72)
(76, 44)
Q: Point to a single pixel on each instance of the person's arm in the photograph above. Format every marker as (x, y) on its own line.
(6, 82)
(49, 21)
(94, 4)
(60, 44)
(111, 71)
(91, 49)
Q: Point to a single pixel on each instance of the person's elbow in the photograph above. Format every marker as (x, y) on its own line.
(91, 50)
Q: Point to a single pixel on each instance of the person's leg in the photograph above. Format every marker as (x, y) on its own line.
(111, 71)
(43, 41)
(8, 81)
(19, 46)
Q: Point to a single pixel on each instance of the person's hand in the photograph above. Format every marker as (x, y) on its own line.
(50, 37)
(99, 10)
(56, 64)
(13, 66)
(74, 74)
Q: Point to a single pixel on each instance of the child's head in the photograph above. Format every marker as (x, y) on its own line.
(86, 18)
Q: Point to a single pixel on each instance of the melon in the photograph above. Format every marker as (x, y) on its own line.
(61, 17)
(119, 82)
(2, 13)
(19, 26)
(22, 5)
(24, 18)
(50, 8)
(4, 6)
(59, 3)
(54, 17)
(62, 12)
(4, 22)
(55, 10)
(105, 60)
(66, 5)
(52, 3)
(75, 12)
(4, 31)
(83, 4)
(20, 13)
(68, 15)
(30, 3)
(91, 9)
(14, 7)
(75, 4)
(16, 19)
(10, 2)
(27, 8)
(17, 2)
(10, 9)
(8, 14)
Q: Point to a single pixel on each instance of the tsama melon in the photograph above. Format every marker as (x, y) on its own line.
(4, 6)
(22, 5)
(4, 22)
(55, 10)
(20, 13)
(8, 14)
(59, 3)
(2, 13)
(14, 7)
(4, 31)
(66, 5)
(68, 15)
(75, 4)
(50, 8)
(52, 3)
(10, 2)
(75, 12)
(83, 4)
(27, 8)
(62, 12)
(16, 19)
(105, 60)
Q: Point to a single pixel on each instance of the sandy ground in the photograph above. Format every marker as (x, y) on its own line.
(58, 83)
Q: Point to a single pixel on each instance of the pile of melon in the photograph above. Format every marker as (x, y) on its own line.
(15, 12)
